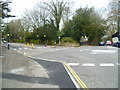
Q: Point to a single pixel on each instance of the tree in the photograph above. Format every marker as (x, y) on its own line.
(45, 18)
(84, 24)
(16, 29)
(57, 10)
(4, 13)
(5, 9)
(113, 10)
(112, 17)
(76, 26)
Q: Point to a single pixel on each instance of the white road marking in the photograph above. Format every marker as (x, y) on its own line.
(104, 51)
(20, 48)
(57, 49)
(24, 53)
(111, 47)
(89, 64)
(117, 64)
(25, 48)
(73, 64)
(44, 59)
(53, 50)
(65, 48)
(1, 56)
(87, 49)
(72, 78)
(81, 50)
(93, 53)
(106, 64)
(40, 47)
(14, 49)
(17, 70)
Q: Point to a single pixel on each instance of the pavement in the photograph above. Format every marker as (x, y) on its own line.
(19, 71)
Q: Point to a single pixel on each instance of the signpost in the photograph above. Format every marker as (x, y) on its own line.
(45, 40)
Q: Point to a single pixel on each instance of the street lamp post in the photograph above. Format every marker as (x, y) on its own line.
(59, 39)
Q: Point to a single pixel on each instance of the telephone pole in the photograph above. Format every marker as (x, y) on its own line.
(119, 19)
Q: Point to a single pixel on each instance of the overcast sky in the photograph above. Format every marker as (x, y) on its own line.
(18, 6)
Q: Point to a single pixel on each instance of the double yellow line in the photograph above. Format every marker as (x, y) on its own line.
(82, 84)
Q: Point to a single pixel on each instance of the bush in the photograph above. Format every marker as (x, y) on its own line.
(68, 40)
(17, 40)
(34, 41)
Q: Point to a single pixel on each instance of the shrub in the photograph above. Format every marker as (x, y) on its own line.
(68, 40)
(34, 41)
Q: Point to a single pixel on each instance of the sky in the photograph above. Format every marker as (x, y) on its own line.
(19, 6)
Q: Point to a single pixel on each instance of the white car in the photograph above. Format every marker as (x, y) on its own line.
(108, 43)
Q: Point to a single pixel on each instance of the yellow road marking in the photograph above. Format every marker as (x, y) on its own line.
(82, 84)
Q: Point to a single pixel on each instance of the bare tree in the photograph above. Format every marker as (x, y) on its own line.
(15, 28)
(57, 9)
(112, 17)
(35, 17)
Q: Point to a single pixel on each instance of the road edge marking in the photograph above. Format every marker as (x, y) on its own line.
(77, 78)
(81, 83)
(71, 76)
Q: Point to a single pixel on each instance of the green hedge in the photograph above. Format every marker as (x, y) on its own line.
(17, 40)
(34, 41)
(49, 42)
(68, 40)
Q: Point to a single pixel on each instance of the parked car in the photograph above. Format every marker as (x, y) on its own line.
(108, 43)
(117, 44)
(101, 43)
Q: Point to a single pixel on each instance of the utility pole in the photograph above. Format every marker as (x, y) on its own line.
(119, 19)
(119, 40)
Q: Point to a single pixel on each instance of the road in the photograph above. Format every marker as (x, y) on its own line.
(19, 71)
(96, 66)
(91, 67)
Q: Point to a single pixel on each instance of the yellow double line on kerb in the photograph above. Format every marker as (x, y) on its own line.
(82, 84)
